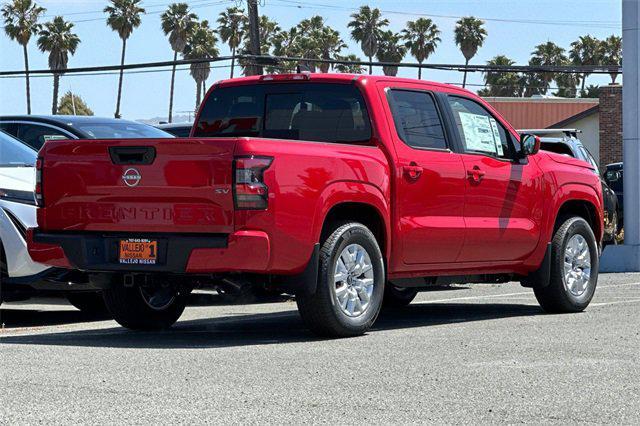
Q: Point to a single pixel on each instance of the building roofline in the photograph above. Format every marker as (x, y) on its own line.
(586, 113)
(542, 100)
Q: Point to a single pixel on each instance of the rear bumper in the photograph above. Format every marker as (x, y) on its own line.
(242, 251)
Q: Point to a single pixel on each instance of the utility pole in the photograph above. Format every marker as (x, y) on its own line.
(254, 35)
(626, 258)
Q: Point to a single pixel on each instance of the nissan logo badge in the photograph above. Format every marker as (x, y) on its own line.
(131, 177)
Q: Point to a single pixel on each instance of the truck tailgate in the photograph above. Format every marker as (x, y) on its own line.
(140, 185)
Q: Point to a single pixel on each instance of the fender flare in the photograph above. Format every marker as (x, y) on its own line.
(340, 192)
(574, 191)
(565, 193)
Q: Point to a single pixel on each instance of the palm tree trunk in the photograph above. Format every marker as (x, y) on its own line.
(233, 61)
(26, 69)
(124, 48)
(420, 71)
(56, 86)
(198, 94)
(613, 77)
(584, 80)
(173, 79)
(464, 79)
(370, 65)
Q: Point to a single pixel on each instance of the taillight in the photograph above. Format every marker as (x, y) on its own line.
(38, 189)
(250, 191)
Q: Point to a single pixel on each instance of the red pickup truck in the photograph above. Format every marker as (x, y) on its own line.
(345, 190)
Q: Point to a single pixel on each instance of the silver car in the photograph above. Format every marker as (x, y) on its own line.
(20, 276)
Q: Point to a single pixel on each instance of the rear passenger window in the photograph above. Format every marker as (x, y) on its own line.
(417, 120)
(35, 135)
(311, 112)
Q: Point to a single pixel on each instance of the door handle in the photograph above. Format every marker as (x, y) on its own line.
(475, 174)
(412, 171)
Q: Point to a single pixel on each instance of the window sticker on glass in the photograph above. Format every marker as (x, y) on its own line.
(478, 133)
(496, 136)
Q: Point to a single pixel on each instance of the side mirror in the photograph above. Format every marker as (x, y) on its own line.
(529, 144)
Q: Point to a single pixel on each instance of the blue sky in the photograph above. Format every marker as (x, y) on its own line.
(146, 95)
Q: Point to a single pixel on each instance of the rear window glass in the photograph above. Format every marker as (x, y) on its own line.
(15, 153)
(124, 130)
(311, 112)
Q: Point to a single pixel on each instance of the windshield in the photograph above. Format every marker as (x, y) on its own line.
(590, 159)
(124, 130)
(321, 112)
(14, 153)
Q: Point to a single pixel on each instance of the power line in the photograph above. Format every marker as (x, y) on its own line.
(153, 12)
(276, 60)
(146, 6)
(148, 71)
(308, 5)
(602, 24)
(119, 67)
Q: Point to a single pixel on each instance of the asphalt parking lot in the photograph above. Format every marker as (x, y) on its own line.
(479, 354)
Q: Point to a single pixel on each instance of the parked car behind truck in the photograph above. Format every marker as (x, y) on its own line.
(35, 130)
(342, 189)
(21, 277)
(570, 145)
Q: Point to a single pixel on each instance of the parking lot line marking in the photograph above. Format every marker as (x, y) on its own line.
(615, 303)
(520, 293)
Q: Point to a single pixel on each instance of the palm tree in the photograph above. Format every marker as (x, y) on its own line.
(201, 45)
(593, 91)
(288, 44)
(57, 39)
(20, 23)
(366, 28)
(390, 50)
(178, 23)
(531, 83)
(231, 29)
(585, 51)
(422, 38)
(329, 44)
(268, 30)
(501, 83)
(548, 54)
(469, 35)
(123, 17)
(318, 41)
(349, 68)
(567, 84)
(611, 53)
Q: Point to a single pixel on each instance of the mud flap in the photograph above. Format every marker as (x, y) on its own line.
(540, 277)
(307, 282)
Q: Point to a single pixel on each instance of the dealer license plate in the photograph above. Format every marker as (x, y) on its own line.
(138, 251)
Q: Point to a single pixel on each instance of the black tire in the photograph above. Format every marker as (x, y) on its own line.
(3, 272)
(320, 311)
(611, 232)
(88, 302)
(556, 297)
(131, 310)
(397, 297)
